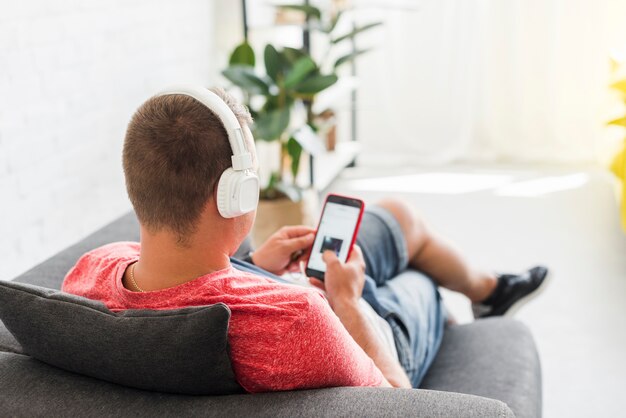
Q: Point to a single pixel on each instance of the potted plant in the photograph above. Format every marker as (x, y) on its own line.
(285, 88)
(290, 77)
(324, 122)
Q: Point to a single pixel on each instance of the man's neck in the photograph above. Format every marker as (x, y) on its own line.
(164, 263)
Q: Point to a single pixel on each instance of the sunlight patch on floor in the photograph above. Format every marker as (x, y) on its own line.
(461, 183)
(543, 186)
(435, 183)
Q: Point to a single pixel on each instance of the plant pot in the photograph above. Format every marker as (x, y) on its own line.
(327, 125)
(273, 214)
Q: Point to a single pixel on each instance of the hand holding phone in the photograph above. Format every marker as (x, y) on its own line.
(284, 250)
(343, 282)
(336, 231)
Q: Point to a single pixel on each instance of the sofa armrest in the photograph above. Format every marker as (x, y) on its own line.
(32, 388)
(494, 358)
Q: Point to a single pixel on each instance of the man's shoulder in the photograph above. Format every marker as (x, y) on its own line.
(114, 250)
(108, 254)
(98, 265)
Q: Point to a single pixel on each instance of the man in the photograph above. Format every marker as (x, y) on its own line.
(374, 326)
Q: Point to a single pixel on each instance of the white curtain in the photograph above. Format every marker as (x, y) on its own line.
(501, 80)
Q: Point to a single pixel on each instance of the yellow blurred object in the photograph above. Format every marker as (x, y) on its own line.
(618, 167)
(615, 64)
(620, 86)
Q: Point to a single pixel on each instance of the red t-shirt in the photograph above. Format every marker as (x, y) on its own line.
(281, 336)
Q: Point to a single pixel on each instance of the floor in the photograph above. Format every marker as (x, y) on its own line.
(509, 218)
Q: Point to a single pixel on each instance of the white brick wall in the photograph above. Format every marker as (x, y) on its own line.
(71, 75)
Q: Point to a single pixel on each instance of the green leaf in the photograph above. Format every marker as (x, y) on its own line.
(300, 70)
(618, 122)
(244, 77)
(350, 57)
(309, 11)
(272, 62)
(274, 179)
(270, 191)
(276, 102)
(294, 149)
(314, 85)
(292, 55)
(242, 55)
(356, 31)
(269, 126)
(334, 21)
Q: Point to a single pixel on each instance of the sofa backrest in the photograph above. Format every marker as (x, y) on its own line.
(50, 273)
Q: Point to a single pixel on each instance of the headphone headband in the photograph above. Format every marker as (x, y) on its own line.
(241, 158)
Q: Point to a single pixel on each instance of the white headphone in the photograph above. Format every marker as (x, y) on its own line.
(238, 187)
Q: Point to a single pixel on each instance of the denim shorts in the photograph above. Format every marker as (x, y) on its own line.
(406, 299)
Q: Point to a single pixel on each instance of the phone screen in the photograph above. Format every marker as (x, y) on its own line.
(335, 232)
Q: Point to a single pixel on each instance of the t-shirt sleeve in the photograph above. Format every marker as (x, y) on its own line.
(313, 351)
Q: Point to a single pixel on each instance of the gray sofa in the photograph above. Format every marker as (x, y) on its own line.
(487, 368)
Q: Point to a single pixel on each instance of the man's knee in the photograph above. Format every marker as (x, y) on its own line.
(412, 224)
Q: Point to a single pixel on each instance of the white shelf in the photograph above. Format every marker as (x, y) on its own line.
(326, 167)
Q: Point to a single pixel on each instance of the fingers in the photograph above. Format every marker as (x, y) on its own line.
(294, 267)
(356, 260)
(303, 257)
(356, 253)
(300, 243)
(356, 257)
(295, 231)
(317, 283)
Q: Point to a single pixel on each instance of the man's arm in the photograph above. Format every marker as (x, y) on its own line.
(344, 285)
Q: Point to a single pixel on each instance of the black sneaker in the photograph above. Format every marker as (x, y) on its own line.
(511, 292)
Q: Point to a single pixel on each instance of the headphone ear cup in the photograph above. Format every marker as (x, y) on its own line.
(237, 193)
(223, 193)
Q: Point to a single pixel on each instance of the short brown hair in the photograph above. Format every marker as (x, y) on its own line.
(175, 151)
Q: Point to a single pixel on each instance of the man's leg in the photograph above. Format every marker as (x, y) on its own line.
(407, 300)
(431, 254)
(418, 323)
(427, 252)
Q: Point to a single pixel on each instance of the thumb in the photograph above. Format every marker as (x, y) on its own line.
(330, 257)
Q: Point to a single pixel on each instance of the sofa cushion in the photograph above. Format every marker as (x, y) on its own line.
(496, 358)
(178, 351)
(8, 342)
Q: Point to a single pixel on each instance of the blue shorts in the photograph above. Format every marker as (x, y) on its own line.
(406, 299)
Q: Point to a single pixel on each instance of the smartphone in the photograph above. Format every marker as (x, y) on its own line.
(336, 231)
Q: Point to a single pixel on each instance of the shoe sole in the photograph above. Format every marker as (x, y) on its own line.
(531, 296)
